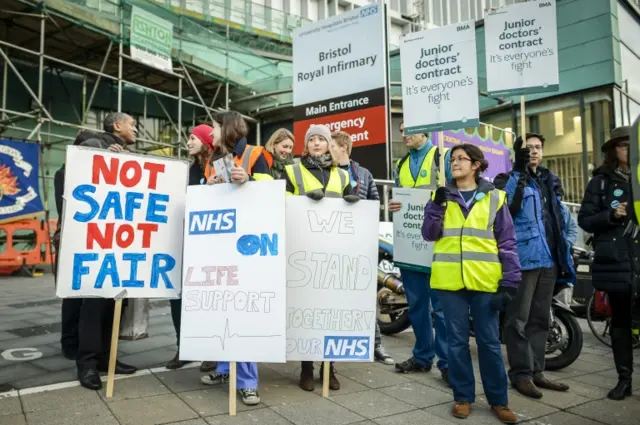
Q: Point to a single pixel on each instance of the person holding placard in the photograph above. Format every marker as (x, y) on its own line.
(606, 213)
(535, 195)
(318, 176)
(475, 269)
(200, 146)
(230, 136)
(70, 314)
(96, 314)
(280, 146)
(418, 169)
(364, 186)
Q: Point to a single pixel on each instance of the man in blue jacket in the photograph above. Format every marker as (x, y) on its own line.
(535, 195)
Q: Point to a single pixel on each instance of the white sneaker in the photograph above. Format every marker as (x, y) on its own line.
(249, 397)
(381, 355)
(215, 378)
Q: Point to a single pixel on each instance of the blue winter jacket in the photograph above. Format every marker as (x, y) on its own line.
(526, 203)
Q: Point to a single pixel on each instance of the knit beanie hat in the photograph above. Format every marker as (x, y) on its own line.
(203, 132)
(318, 130)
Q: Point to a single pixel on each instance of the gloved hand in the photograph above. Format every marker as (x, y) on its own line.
(352, 199)
(523, 156)
(442, 194)
(503, 297)
(316, 195)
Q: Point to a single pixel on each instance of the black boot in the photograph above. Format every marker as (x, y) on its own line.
(621, 343)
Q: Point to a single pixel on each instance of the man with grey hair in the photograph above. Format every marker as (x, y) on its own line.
(96, 314)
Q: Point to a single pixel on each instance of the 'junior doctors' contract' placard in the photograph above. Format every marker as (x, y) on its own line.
(233, 298)
(440, 79)
(410, 250)
(122, 225)
(332, 250)
(521, 43)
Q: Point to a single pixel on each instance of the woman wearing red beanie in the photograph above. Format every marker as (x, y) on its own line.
(200, 146)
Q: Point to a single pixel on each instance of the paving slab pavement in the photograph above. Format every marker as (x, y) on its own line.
(39, 386)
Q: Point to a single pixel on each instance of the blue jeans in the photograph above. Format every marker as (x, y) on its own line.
(456, 306)
(246, 374)
(420, 298)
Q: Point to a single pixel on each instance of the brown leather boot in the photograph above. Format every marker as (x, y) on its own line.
(505, 414)
(527, 388)
(176, 363)
(206, 367)
(542, 382)
(306, 376)
(334, 384)
(461, 410)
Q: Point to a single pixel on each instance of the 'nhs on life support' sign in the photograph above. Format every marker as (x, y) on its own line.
(347, 347)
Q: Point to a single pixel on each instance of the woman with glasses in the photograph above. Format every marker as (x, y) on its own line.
(475, 269)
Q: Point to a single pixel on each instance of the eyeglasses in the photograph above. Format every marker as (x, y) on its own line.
(459, 159)
(534, 147)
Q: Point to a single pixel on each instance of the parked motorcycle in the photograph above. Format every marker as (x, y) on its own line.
(393, 309)
(564, 342)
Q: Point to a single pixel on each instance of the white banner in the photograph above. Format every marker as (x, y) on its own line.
(122, 225)
(440, 79)
(521, 45)
(233, 302)
(410, 250)
(332, 253)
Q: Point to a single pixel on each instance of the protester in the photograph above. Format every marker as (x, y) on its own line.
(316, 176)
(475, 267)
(418, 169)
(606, 213)
(229, 136)
(535, 195)
(200, 146)
(280, 146)
(362, 184)
(96, 314)
(70, 314)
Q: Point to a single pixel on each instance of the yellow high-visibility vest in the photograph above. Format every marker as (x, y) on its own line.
(428, 169)
(305, 182)
(466, 256)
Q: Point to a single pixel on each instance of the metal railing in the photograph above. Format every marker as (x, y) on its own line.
(385, 187)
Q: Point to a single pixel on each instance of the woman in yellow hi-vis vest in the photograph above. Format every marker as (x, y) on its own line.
(317, 175)
(475, 269)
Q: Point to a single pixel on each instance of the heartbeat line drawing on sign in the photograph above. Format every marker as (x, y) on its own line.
(227, 335)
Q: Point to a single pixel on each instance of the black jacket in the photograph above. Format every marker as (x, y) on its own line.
(87, 139)
(322, 174)
(616, 256)
(196, 174)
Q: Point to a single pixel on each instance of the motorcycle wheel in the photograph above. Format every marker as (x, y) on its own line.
(397, 324)
(575, 339)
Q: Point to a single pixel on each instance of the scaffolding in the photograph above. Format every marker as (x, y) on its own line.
(83, 40)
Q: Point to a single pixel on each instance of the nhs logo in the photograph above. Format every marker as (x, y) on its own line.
(212, 222)
(347, 347)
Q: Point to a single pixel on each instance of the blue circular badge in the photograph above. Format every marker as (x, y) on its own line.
(354, 183)
(480, 196)
(423, 173)
(615, 204)
(617, 192)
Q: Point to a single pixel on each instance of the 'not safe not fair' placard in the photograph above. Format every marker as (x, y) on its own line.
(122, 225)
(440, 79)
